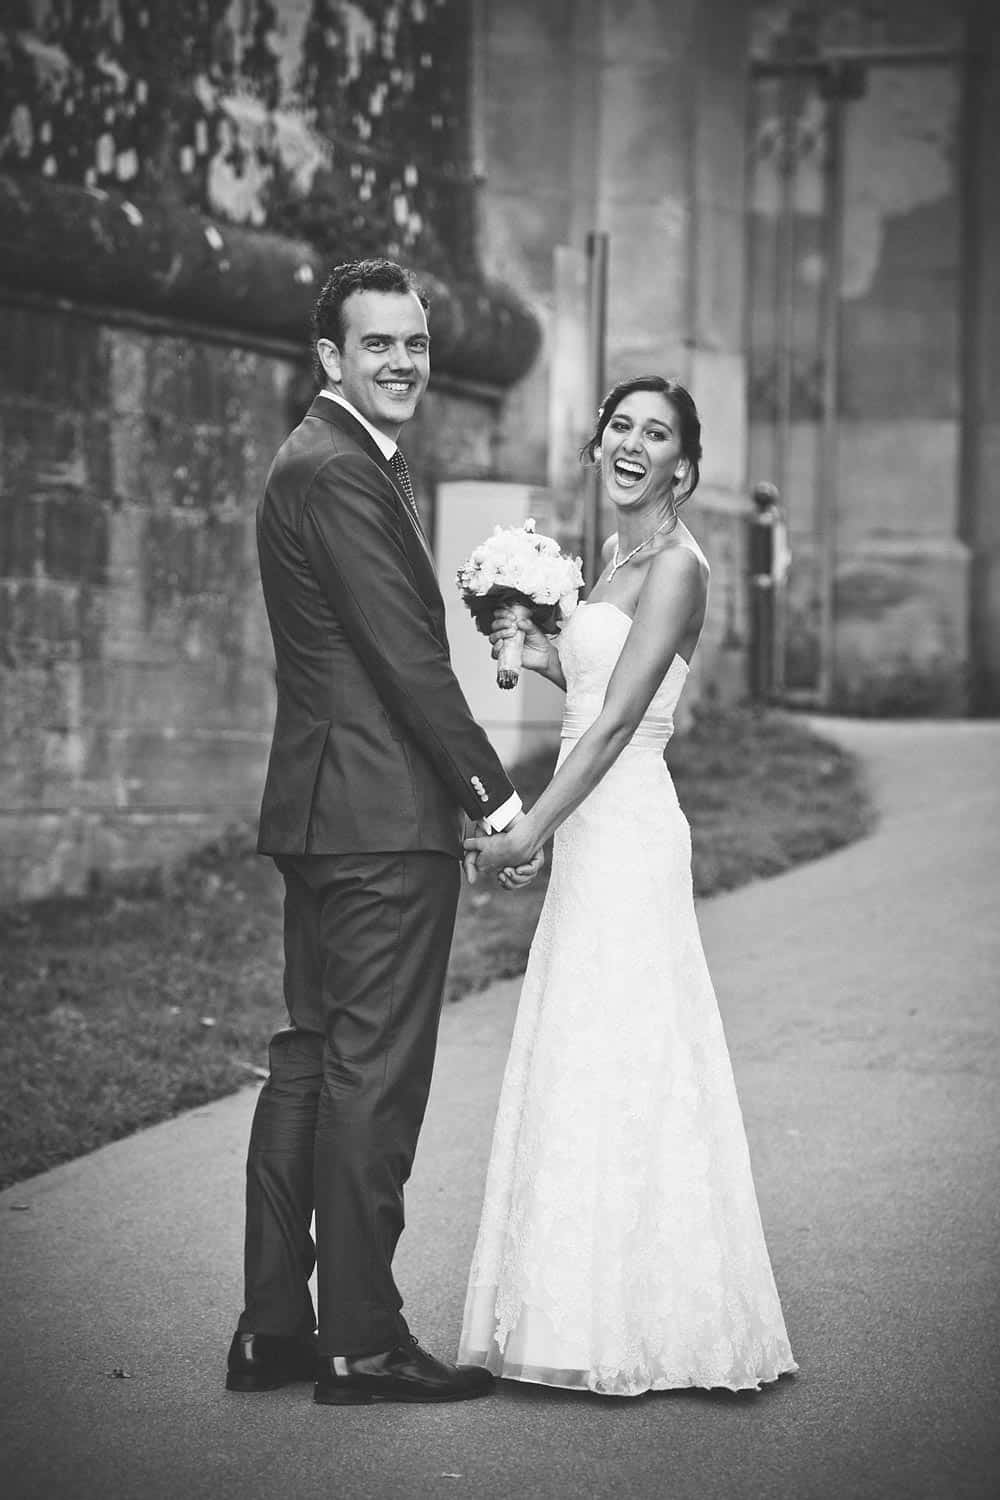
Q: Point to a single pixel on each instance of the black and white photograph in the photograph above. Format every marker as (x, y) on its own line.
(500, 749)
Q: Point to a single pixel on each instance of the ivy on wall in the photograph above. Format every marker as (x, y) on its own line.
(339, 121)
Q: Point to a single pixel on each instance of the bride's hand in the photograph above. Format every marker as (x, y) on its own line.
(512, 619)
(514, 879)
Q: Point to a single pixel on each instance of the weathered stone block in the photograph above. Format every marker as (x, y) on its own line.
(98, 464)
(215, 771)
(896, 478)
(44, 852)
(170, 374)
(15, 326)
(232, 693)
(20, 534)
(39, 619)
(128, 360)
(42, 448)
(71, 851)
(127, 458)
(74, 537)
(52, 360)
(901, 630)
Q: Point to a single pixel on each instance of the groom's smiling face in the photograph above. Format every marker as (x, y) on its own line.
(383, 367)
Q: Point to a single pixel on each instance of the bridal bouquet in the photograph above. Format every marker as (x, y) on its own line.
(517, 566)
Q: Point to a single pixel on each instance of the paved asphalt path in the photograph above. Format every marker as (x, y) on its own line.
(860, 1000)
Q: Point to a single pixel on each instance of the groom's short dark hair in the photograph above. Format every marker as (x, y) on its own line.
(356, 276)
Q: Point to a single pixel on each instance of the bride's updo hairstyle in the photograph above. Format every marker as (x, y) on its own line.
(687, 416)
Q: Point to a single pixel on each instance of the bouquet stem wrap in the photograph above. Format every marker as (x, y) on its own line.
(509, 662)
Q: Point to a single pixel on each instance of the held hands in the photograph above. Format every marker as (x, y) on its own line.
(508, 853)
(513, 619)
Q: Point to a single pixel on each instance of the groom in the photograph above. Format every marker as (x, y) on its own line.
(375, 755)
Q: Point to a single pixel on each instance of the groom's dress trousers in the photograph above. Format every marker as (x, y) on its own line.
(375, 757)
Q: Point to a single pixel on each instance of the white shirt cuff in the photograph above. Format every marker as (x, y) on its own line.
(499, 820)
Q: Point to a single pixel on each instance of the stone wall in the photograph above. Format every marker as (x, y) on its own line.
(136, 676)
(176, 182)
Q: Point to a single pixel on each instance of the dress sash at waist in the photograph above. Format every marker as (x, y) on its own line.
(652, 733)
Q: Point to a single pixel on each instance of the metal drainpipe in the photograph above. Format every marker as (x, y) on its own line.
(784, 323)
(597, 317)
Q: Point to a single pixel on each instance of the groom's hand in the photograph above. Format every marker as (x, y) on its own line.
(473, 830)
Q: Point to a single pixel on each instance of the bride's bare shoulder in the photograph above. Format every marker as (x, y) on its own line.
(687, 543)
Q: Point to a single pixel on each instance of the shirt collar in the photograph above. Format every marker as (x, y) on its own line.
(385, 445)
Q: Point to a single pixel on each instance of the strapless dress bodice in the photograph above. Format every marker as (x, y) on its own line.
(589, 648)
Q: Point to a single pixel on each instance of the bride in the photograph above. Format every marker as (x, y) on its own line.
(620, 1248)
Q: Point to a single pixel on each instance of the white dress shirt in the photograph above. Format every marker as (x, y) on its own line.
(504, 815)
(385, 445)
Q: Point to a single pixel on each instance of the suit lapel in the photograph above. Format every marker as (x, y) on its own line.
(339, 416)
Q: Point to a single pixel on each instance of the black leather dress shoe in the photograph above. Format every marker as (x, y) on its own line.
(405, 1373)
(263, 1361)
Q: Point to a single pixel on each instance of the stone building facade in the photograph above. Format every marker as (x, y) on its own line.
(803, 218)
(803, 224)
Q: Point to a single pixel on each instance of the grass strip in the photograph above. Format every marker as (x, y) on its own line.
(127, 1006)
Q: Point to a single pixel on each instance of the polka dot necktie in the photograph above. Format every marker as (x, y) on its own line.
(399, 467)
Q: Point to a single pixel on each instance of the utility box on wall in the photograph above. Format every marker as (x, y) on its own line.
(528, 717)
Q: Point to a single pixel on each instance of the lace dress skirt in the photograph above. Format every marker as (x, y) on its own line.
(620, 1248)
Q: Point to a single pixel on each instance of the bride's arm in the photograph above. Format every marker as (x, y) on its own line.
(671, 592)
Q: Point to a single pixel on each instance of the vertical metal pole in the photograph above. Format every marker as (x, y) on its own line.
(785, 275)
(784, 322)
(826, 529)
(597, 317)
(977, 276)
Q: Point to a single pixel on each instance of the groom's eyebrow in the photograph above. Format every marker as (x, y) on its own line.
(390, 338)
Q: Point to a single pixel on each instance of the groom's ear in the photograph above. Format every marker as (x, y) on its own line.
(329, 357)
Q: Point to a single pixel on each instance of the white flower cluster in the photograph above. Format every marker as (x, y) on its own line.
(517, 558)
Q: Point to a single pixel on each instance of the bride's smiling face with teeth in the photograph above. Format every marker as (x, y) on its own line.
(640, 449)
(383, 368)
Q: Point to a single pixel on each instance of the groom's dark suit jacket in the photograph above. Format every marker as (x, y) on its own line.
(374, 746)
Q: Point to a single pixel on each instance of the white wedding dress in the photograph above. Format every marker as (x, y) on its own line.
(620, 1248)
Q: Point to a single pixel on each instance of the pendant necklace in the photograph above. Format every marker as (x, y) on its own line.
(619, 562)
